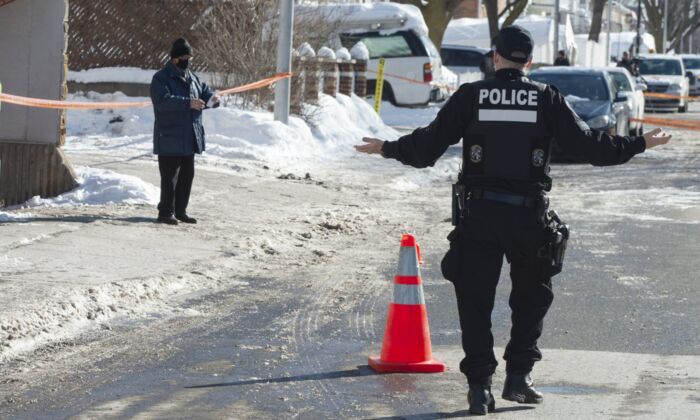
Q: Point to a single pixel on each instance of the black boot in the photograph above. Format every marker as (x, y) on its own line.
(480, 399)
(519, 388)
(168, 219)
(185, 218)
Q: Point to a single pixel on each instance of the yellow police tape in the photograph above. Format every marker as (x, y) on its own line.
(379, 87)
(51, 104)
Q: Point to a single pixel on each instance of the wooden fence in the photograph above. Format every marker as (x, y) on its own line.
(130, 33)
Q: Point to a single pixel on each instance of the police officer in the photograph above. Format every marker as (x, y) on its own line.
(507, 125)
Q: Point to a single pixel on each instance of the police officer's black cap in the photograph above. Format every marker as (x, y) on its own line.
(515, 43)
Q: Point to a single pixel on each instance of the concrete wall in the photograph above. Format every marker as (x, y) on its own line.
(32, 51)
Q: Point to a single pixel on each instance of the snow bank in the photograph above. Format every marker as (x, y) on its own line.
(99, 187)
(339, 123)
(13, 217)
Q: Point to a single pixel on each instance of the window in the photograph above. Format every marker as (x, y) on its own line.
(432, 51)
(691, 63)
(583, 86)
(621, 82)
(461, 58)
(398, 44)
(657, 66)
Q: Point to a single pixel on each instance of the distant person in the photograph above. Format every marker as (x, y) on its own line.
(178, 100)
(562, 59)
(628, 63)
(486, 66)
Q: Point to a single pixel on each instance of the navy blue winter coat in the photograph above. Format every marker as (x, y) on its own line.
(178, 128)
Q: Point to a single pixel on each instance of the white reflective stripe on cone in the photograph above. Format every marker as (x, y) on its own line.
(408, 262)
(408, 294)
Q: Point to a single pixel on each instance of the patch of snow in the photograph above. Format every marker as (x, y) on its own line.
(359, 17)
(123, 75)
(12, 216)
(574, 98)
(99, 187)
(343, 54)
(305, 50)
(326, 52)
(359, 51)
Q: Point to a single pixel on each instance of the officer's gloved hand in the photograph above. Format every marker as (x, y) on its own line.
(656, 137)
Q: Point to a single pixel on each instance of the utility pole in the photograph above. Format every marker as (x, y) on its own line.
(556, 28)
(607, 44)
(284, 60)
(639, 24)
(663, 44)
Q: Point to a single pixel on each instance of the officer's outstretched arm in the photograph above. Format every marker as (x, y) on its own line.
(425, 145)
(596, 147)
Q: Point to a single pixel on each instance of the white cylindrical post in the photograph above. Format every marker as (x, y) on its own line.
(284, 60)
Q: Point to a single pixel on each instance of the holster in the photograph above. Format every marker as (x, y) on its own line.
(554, 249)
(459, 201)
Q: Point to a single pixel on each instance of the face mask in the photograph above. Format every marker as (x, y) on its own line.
(183, 64)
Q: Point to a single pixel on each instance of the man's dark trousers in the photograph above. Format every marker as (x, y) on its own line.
(176, 175)
(492, 230)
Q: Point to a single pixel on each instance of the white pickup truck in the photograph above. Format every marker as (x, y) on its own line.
(413, 70)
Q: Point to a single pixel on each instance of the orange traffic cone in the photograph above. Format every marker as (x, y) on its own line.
(406, 346)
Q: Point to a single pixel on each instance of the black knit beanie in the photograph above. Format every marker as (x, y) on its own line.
(180, 47)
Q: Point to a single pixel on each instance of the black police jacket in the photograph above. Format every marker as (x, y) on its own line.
(425, 145)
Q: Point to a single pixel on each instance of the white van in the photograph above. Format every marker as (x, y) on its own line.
(413, 71)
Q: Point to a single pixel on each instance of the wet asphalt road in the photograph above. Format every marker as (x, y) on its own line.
(629, 286)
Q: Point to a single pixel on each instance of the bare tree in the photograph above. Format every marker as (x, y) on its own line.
(437, 15)
(238, 42)
(513, 9)
(682, 16)
(597, 20)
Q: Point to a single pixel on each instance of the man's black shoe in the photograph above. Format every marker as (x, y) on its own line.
(480, 399)
(186, 219)
(168, 220)
(519, 388)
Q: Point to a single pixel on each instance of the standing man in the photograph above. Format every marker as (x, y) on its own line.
(507, 125)
(562, 59)
(628, 63)
(486, 66)
(178, 100)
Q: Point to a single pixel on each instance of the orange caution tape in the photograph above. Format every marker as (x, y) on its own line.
(51, 104)
(414, 81)
(670, 96)
(669, 122)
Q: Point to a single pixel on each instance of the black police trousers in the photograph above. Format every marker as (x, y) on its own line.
(176, 176)
(490, 231)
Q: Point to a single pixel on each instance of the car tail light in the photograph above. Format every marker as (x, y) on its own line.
(427, 72)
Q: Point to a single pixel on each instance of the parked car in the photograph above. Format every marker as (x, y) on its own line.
(464, 61)
(592, 95)
(692, 65)
(413, 72)
(665, 74)
(634, 89)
